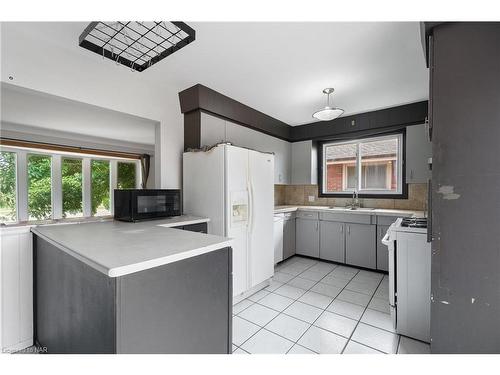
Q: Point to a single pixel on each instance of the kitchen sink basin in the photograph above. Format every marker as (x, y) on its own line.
(351, 208)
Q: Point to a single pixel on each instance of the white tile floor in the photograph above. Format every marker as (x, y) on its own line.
(318, 307)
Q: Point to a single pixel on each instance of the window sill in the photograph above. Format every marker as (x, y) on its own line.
(75, 220)
(403, 195)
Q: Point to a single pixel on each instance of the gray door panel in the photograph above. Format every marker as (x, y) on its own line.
(360, 245)
(288, 238)
(332, 241)
(307, 237)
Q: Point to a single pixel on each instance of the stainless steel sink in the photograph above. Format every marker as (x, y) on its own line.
(349, 208)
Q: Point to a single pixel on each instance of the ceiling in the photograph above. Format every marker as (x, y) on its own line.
(33, 108)
(277, 68)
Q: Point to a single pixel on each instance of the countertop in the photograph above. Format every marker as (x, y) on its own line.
(118, 248)
(361, 211)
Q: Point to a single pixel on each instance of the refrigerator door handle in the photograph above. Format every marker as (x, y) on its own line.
(249, 225)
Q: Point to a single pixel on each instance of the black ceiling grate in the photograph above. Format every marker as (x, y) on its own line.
(137, 45)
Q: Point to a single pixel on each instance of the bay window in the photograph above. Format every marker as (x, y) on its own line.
(39, 184)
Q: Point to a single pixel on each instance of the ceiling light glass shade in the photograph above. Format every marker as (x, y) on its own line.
(328, 114)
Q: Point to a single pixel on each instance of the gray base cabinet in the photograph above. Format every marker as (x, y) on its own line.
(382, 252)
(360, 249)
(332, 241)
(338, 237)
(288, 237)
(307, 235)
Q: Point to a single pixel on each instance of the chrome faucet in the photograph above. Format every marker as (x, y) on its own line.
(355, 201)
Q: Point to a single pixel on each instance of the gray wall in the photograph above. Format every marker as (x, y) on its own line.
(304, 163)
(465, 102)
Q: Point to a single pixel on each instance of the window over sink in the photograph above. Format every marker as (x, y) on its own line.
(371, 166)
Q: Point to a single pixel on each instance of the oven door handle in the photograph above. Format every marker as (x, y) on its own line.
(385, 240)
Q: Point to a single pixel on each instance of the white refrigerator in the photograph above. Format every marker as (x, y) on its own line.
(234, 187)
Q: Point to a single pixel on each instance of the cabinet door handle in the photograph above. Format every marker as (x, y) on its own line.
(348, 229)
(317, 225)
(341, 229)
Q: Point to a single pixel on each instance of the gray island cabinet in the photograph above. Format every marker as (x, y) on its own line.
(114, 287)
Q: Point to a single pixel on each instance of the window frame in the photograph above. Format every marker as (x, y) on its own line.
(401, 193)
(16, 187)
(56, 181)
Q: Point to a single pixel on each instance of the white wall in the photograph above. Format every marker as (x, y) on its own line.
(79, 76)
(41, 135)
(16, 289)
(215, 130)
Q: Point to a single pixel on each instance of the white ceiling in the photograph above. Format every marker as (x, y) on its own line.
(32, 108)
(277, 68)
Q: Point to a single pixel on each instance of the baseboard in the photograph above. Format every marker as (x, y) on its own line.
(17, 347)
(251, 291)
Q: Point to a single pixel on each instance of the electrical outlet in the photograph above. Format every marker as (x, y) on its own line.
(311, 198)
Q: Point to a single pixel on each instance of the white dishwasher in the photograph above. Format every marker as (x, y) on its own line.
(409, 278)
(278, 237)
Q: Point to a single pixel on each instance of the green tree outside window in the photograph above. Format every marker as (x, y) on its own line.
(126, 175)
(7, 186)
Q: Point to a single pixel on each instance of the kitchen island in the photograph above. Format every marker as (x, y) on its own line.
(116, 287)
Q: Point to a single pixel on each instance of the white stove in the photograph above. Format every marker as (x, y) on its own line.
(409, 277)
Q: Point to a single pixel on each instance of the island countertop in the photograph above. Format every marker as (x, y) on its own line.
(118, 248)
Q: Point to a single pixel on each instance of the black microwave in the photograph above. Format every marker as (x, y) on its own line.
(145, 204)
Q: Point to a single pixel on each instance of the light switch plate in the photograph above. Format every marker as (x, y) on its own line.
(311, 198)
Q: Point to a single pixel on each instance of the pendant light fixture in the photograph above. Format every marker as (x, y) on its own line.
(328, 113)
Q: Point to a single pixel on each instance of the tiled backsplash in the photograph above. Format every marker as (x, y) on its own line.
(299, 195)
